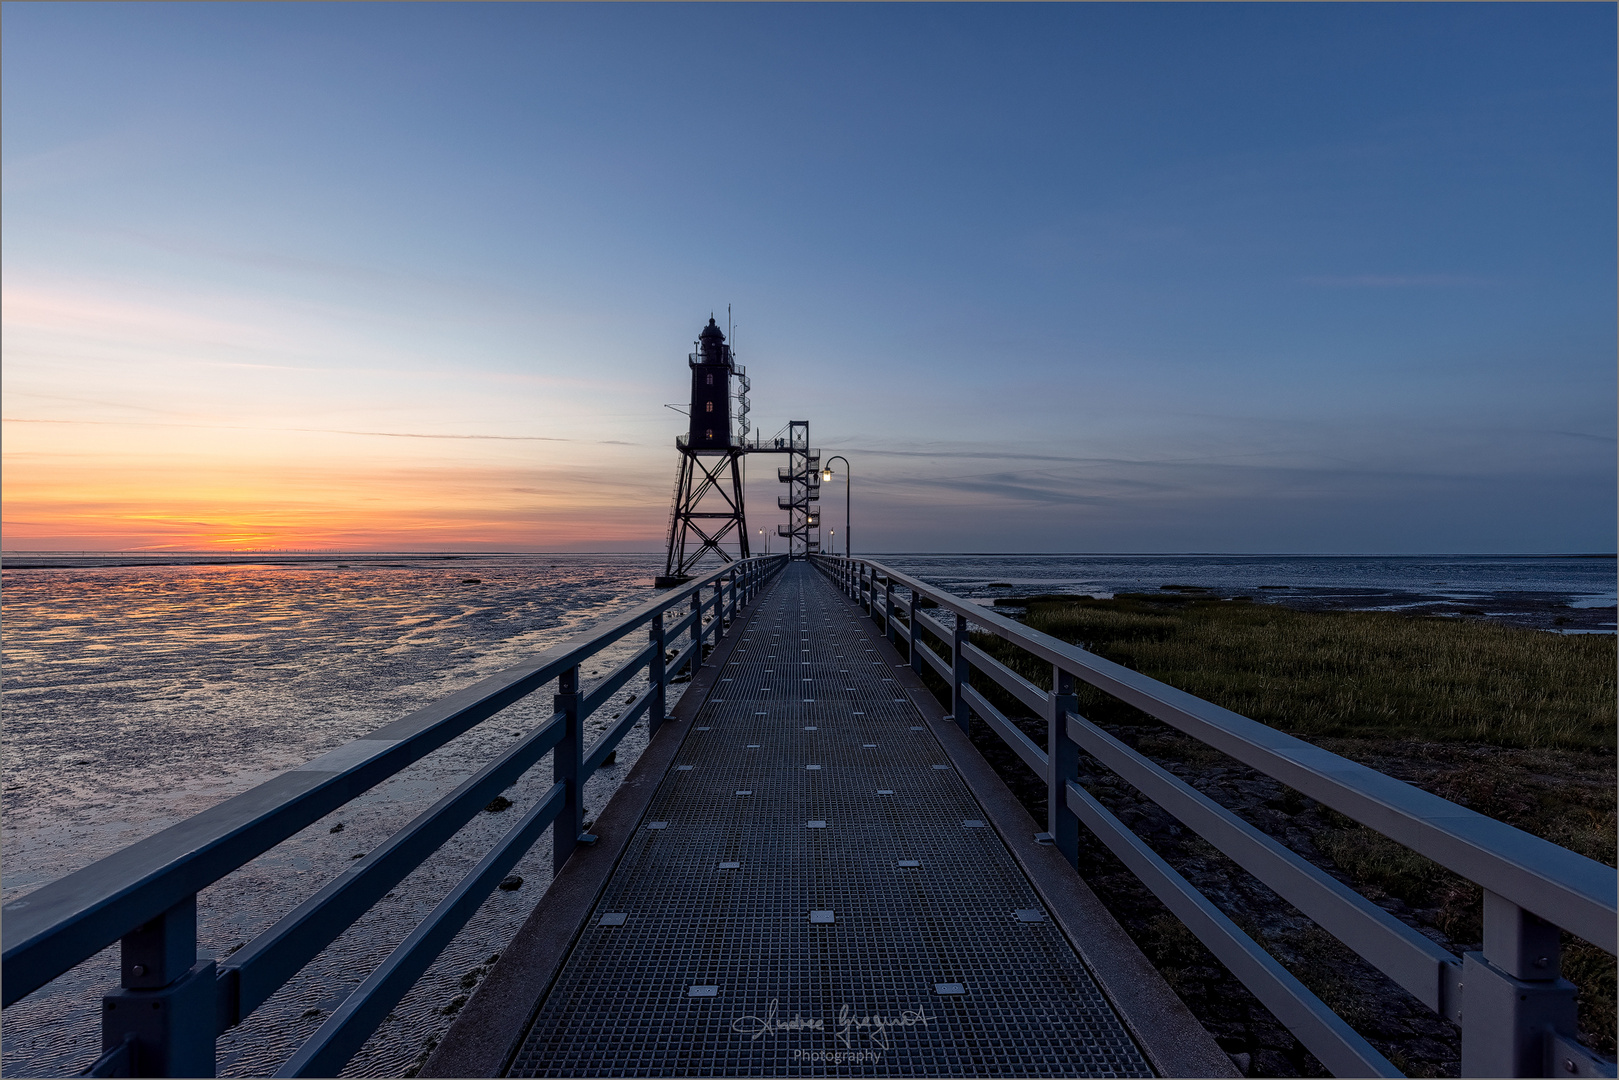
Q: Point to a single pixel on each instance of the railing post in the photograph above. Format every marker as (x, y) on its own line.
(1514, 1000)
(566, 764)
(888, 610)
(1062, 758)
(658, 675)
(959, 675)
(696, 632)
(916, 631)
(167, 1007)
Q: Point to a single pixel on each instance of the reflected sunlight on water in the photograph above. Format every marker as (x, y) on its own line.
(138, 695)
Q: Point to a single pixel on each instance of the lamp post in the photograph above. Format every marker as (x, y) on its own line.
(848, 484)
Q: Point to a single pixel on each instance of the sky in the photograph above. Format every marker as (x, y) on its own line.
(1067, 278)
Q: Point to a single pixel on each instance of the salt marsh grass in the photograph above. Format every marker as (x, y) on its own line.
(1360, 674)
(1514, 723)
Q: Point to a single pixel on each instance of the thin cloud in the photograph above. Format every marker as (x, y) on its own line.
(1398, 281)
(424, 435)
(1086, 460)
(980, 454)
(1584, 435)
(320, 431)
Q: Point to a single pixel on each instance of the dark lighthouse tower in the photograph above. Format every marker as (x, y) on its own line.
(711, 370)
(708, 507)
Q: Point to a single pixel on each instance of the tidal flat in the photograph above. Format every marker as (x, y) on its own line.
(143, 689)
(1515, 723)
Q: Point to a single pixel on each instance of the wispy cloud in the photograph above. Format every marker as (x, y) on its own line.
(104, 156)
(1399, 281)
(986, 453)
(63, 325)
(312, 430)
(428, 435)
(1584, 435)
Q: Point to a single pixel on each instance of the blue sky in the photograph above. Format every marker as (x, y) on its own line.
(1324, 278)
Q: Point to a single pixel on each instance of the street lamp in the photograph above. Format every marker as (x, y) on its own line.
(826, 474)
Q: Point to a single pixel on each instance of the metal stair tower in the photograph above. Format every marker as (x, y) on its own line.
(803, 479)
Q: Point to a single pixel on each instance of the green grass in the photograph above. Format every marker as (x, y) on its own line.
(1517, 724)
(1359, 674)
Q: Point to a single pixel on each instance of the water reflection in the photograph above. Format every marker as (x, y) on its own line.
(139, 695)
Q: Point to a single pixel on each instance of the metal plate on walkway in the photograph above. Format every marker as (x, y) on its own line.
(820, 951)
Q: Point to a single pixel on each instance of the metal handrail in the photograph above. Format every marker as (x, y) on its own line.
(1532, 872)
(145, 894)
(1523, 876)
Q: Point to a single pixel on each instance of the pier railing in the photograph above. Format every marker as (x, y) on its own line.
(1516, 1013)
(171, 1007)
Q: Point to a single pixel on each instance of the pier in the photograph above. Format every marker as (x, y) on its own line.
(811, 870)
(814, 885)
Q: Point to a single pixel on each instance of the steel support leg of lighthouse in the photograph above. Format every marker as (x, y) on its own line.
(694, 532)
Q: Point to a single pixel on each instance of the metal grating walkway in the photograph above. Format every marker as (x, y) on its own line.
(809, 790)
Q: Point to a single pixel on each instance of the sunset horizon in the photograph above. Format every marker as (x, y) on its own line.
(1051, 278)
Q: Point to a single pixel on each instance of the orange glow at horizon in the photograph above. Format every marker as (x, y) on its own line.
(123, 505)
(140, 420)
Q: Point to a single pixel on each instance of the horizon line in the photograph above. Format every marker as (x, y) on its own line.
(352, 552)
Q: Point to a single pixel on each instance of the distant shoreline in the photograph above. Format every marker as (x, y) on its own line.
(1489, 587)
(64, 559)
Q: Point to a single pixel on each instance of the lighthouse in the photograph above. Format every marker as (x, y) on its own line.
(708, 513)
(711, 371)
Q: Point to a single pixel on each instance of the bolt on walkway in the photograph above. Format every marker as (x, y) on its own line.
(814, 891)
